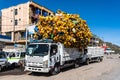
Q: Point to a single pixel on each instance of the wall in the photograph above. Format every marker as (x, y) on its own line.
(22, 17)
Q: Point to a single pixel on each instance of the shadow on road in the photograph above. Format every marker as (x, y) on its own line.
(12, 71)
(20, 71)
(62, 71)
(39, 74)
(47, 74)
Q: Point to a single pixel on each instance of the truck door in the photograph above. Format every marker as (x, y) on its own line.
(54, 56)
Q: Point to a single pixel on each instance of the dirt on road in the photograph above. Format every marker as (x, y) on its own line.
(85, 72)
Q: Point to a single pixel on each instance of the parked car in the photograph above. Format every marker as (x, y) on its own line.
(3, 60)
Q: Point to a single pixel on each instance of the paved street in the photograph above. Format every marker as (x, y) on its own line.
(114, 74)
(106, 70)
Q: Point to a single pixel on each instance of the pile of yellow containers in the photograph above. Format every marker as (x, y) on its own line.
(68, 29)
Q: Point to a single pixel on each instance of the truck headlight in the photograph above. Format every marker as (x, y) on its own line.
(45, 63)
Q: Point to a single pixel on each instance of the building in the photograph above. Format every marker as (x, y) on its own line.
(94, 41)
(4, 40)
(15, 19)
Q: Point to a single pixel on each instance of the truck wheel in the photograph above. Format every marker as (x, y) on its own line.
(87, 62)
(98, 60)
(0, 68)
(76, 64)
(55, 70)
(14, 65)
(101, 59)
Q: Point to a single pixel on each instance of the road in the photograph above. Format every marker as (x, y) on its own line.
(114, 74)
(106, 70)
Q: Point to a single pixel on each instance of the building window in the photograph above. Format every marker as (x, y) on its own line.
(16, 22)
(8, 33)
(19, 19)
(23, 34)
(44, 13)
(38, 11)
(16, 11)
(49, 14)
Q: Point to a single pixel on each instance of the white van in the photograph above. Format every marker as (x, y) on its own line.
(15, 58)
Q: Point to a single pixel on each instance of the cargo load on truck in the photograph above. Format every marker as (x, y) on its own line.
(68, 29)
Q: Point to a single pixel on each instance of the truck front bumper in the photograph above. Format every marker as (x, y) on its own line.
(34, 69)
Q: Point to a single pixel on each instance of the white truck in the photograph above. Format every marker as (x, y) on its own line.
(51, 57)
(92, 54)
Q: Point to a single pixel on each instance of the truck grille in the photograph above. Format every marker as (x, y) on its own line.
(35, 59)
(36, 66)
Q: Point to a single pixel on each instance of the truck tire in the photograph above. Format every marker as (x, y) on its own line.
(87, 62)
(101, 59)
(14, 65)
(55, 70)
(0, 68)
(34, 73)
(76, 64)
(98, 59)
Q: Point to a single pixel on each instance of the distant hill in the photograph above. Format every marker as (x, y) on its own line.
(114, 47)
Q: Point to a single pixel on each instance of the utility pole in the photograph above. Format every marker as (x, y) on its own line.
(26, 37)
(13, 32)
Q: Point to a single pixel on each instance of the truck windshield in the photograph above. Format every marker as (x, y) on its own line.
(38, 49)
(13, 54)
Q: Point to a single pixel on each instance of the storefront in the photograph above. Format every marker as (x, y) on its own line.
(4, 40)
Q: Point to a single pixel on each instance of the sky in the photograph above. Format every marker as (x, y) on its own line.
(102, 16)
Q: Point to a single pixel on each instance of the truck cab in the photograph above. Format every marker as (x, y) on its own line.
(41, 57)
(3, 60)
